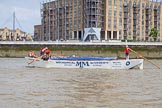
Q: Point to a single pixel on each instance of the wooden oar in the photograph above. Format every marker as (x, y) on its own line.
(144, 58)
(35, 59)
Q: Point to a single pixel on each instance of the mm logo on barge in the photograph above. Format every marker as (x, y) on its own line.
(81, 64)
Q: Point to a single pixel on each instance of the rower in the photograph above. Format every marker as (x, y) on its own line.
(127, 49)
(46, 55)
(32, 54)
(43, 50)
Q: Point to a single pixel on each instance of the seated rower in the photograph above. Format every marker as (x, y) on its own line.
(32, 54)
(43, 50)
(46, 55)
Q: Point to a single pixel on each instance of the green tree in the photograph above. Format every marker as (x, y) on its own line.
(154, 33)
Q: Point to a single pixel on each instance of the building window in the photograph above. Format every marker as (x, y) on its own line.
(110, 7)
(143, 5)
(121, 4)
(115, 19)
(115, 8)
(109, 19)
(120, 20)
(130, 33)
(114, 13)
(143, 11)
(109, 25)
(110, 2)
(114, 2)
(120, 27)
(110, 13)
(120, 14)
(121, 9)
(114, 25)
(129, 27)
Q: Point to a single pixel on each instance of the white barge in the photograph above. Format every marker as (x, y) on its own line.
(87, 62)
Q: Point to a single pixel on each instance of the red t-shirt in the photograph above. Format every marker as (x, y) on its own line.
(127, 50)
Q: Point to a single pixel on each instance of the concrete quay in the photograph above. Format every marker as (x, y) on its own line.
(21, 49)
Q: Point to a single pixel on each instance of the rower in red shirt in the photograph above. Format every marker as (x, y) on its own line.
(127, 49)
(46, 56)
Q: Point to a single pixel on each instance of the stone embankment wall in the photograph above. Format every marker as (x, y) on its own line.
(21, 50)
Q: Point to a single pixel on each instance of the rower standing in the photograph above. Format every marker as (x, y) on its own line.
(127, 49)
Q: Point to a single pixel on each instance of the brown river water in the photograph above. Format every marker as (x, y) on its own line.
(25, 87)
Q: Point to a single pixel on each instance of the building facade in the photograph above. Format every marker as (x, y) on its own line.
(38, 33)
(101, 20)
(14, 35)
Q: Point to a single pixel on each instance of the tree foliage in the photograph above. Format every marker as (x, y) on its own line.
(153, 33)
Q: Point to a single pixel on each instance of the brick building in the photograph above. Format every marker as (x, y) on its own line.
(100, 20)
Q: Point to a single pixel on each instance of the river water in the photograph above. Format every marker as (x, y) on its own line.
(26, 87)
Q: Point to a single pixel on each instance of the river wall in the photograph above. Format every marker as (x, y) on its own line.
(82, 49)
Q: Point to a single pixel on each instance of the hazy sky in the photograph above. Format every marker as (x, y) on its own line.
(27, 13)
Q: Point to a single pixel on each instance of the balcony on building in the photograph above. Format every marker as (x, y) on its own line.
(125, 28)
(125, 22)
(147, 18)
(147, 7)
(135, 11)
(125, 16)
(155, 25)
(136, 5)
(155, 19)
(147, 35)
(93, 12)
(135, 23)
(125, 10)
(134, 29)
(135, 17)
(148, 12)
(147, 24)
(155, 8)
(147, 30)
(97, 1)
(125, 4)
(134, 34)
(125, 33)
(155, 13)
(93, 19)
